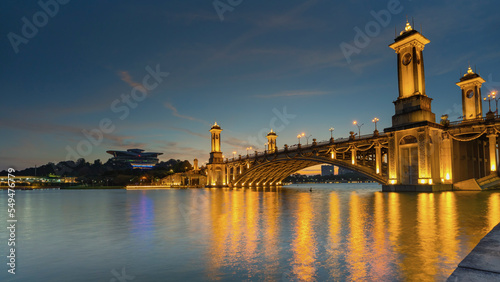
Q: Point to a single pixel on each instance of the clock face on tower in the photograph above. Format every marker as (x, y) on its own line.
(470, 93)
(406, 59)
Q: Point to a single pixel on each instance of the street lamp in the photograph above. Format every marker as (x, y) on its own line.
(359, 127)
(307, 138)
(234, 154)
(493, 95)
(331, 132)
(248, 148)
(298, 137)
(375, 120)
(489, 102)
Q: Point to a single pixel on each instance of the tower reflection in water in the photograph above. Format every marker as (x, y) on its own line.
(342, 235)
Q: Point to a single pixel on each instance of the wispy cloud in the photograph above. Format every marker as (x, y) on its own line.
(175, 112)
(176, 150)
(299, 93)
(73, 134)
(185, 130)
(127, 78)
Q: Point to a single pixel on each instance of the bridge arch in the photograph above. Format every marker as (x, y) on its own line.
(273, 172)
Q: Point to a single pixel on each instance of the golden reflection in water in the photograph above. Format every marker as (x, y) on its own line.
(220, 227)
(356, 255)
(493, 210)
(333, 247)
(382, 257)
(303, 246)
(394, 224)
(394, 217)
(271, 237)
(448, 230)
(426, 254)
(235, 232)
(251, 233)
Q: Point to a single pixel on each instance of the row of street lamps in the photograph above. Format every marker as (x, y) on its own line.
(492, 96)
(375, 120)
(304, 135)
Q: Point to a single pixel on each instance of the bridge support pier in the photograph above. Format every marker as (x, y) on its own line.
(378, 159)
(492, 140)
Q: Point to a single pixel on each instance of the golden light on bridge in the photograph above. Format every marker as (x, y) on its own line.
(375, 120)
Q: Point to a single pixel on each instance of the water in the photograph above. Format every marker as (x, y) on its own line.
(335, 232)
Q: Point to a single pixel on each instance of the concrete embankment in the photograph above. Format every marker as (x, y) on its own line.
(483, 262)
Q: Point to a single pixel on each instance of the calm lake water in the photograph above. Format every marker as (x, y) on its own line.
(336, 232)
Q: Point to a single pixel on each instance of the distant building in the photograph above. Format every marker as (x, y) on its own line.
(327, 170)
(342, 171)
(188, 179)
(33, 180)
(193, 178)
(136, 158)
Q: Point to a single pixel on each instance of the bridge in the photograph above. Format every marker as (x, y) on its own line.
(366, 155)
(414, 154)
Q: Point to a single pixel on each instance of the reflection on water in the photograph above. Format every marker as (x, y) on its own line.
(336, 232)
(303, 245)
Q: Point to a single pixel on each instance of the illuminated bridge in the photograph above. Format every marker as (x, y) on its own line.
(366, 155)
(414, 154)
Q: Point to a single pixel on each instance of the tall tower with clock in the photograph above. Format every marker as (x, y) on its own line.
(414, 136)
(412, 105)
(470, 84)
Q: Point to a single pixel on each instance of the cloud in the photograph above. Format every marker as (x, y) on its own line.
(206, 136)
(236, 142)
(75, 133)
(232, 141)
(176, 113)
(125, 77)
(299, 93)
(174, 150)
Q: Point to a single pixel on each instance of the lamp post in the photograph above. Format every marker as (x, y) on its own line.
(375, 120)
(248, 148)
(489, 102)
(234, 153)
(331, 132)
(307, 138)
(298, 137)
(493, 95)
(359, 127)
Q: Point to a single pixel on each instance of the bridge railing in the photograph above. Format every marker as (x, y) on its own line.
(294, 147)
(461, 122)
(467, 121)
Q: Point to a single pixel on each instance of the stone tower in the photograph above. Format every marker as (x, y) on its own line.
(216, 168)
(271, 141)
(470, 84)
(412, 105)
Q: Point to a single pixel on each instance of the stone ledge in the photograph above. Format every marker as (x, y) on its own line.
(417, 188)
(483, 262)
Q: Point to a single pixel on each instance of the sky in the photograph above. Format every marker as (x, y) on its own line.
(79, 78)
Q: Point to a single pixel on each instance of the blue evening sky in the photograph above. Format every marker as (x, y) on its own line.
(263, 58)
